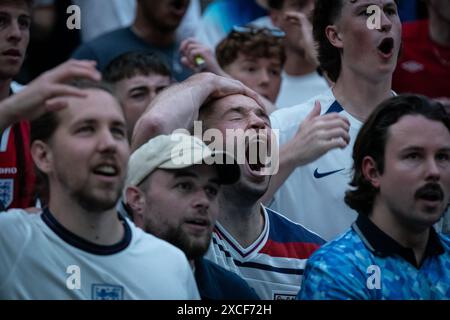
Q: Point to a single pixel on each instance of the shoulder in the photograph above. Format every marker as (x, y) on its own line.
(445, 240)
(227, 284)
(102, 42)
(337, 270)
(287, 120)
(412, 31)
(286, 230)
(16, 222)
(18, 230)
(343, 257)
(153, 244)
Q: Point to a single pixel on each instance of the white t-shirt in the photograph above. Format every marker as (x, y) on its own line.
(39, 259)
(313, 195)
(299, 89)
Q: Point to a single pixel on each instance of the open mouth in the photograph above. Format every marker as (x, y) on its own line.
(386, 46)
(256, 153)
(430, 193)
(106, 170)
(431, 196)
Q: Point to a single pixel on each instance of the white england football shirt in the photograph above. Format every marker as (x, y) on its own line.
(39, 259)
(313, 195)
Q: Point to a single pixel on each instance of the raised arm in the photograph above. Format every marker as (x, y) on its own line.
(178, 106)
(42, 94)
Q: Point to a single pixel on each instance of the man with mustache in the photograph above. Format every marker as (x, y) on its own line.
(400, 188)
(79, 247)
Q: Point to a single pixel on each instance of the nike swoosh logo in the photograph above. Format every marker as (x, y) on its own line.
(318, 175)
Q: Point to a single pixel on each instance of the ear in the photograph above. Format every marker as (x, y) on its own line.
(135, 199)
(370, 171)
(334, 36)
(42, 156)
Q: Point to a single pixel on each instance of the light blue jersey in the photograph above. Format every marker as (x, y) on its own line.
(365, 263)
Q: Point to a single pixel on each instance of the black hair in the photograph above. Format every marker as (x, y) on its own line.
(130, 64)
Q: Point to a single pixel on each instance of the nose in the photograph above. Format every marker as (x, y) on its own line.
(106, 141)
(201, 200)
(386, 23)
(433, 172)
(255, 122)
(14, 32)
(263, 77)
(151, 96)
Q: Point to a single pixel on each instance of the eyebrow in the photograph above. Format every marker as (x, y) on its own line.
(417, 148)
(141, 88)
(189, 174)
(235, 109)
(95, 121)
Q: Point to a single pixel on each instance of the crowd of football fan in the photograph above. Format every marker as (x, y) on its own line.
(108, 191)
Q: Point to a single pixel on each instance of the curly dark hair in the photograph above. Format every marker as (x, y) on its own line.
(372, 139)
(256, 42)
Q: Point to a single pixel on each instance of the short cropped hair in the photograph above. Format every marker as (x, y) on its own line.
(131, 64)
(373, 137)
(256, 43)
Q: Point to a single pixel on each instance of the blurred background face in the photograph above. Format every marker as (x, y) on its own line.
(165, 15)
(439, 9)
(262, 74)
(181, 207)
(136, 93)
(14, 36)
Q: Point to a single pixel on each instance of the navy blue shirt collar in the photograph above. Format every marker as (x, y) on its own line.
(383, 245)
(83, 244)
